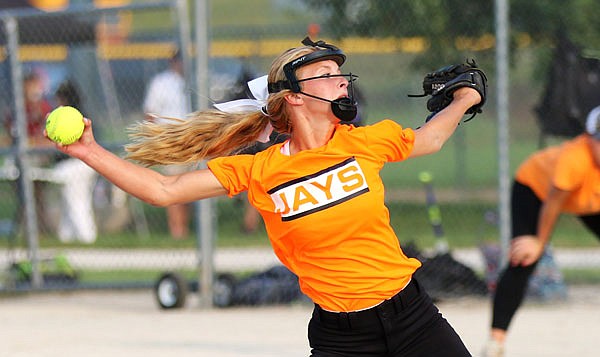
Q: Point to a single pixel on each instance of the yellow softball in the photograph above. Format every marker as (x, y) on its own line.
(425, 176)
(64, 125)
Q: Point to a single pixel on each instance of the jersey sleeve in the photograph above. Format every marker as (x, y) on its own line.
(391, 140)
(571, 168)
(233, 172)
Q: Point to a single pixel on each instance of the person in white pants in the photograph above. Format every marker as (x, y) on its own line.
(77, 220)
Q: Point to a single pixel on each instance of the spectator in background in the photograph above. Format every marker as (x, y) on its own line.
(77, 220)
(166, 98)
(37, 108)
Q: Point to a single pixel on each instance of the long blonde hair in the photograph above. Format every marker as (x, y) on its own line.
(211, 133)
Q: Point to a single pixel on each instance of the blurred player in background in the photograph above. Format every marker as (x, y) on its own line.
(77, 221)
(319, 193)
(554, 180)
(166, 98)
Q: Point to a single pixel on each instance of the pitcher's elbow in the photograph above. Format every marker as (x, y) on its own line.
(157, 201)
(436, 145)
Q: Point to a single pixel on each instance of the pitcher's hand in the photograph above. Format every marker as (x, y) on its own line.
(81, 147)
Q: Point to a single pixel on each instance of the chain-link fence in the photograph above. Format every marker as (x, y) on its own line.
(56, 212)
(110, 55)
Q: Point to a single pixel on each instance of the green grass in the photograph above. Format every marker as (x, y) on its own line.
(463, 222)
(125, 275)
(464, 226)
(581, 276)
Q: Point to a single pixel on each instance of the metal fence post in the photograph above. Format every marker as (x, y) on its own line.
(502, 29)
(206, 219)
(22, 154)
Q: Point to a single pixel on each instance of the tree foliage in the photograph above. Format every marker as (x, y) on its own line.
(454, 28)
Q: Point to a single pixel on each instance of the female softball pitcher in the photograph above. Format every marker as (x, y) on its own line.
(319, 193)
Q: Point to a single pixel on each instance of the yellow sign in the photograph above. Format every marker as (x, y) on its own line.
(50, 5)
(111, 3)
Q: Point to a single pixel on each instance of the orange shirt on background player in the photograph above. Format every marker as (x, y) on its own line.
(569, 167)
(325, 215)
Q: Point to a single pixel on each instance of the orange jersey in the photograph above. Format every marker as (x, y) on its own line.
(325, 215)
(569, 167)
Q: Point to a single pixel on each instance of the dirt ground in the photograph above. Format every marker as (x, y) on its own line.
(129, 323)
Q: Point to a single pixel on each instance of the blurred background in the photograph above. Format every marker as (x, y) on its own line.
(108, 51)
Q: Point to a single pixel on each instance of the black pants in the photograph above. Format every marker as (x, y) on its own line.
(512, 283)
(409, 324)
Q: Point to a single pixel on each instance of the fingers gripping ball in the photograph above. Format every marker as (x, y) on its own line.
(65, 125)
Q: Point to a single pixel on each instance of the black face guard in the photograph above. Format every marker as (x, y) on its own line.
(343, 108)
(325, 52)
